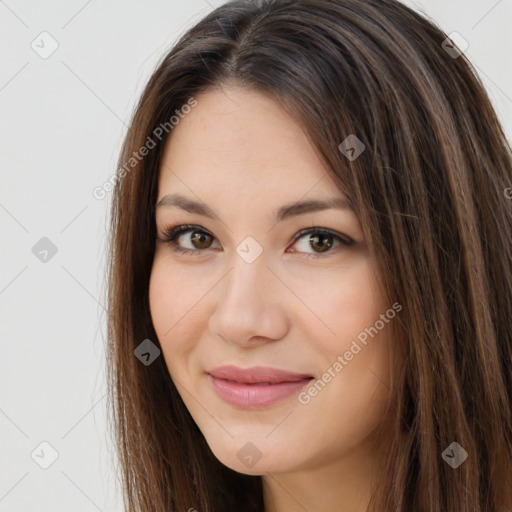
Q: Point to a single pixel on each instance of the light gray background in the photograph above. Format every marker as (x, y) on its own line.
(62, 120)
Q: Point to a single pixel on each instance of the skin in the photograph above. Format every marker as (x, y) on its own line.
(242, 155)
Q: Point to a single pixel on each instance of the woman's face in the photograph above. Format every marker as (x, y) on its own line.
(252, 292)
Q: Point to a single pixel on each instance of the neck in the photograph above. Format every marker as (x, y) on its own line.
(343, 482)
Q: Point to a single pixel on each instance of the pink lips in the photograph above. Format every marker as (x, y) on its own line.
(255, 387)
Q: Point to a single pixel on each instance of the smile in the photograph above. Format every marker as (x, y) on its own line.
(257, 387)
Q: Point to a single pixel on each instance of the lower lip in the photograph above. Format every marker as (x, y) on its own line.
(254, 396)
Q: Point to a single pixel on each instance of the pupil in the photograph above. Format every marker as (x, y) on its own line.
(318, 240)
(200, 238)
(324, 239)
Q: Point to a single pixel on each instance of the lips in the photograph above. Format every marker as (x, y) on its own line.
(255, 387)
(256, 375)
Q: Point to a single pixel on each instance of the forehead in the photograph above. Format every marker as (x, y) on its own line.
(241, 142)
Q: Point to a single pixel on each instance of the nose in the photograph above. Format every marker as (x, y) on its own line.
(250, 307)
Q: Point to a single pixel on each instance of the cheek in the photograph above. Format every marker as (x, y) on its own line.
(348, 408)
(175, 306)
(346, 300)
(356, 396)
(175, 294)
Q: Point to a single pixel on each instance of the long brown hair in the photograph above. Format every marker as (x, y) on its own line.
(429, 192)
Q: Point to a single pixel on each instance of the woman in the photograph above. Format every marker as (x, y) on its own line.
(310, 290)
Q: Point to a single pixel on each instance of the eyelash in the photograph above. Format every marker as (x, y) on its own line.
(171, 234)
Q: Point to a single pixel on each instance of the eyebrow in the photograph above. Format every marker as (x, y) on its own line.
(282, 213)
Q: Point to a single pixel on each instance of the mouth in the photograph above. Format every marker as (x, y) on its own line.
(256, 387)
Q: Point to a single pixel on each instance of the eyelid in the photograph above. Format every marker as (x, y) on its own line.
(317, 229)
(171, 233)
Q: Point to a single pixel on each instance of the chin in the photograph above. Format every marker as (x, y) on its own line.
(250, 458)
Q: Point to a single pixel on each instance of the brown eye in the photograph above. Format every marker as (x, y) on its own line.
(321, 242)
(201, 240)
(313, 242)
(317, 241)
(187, 239)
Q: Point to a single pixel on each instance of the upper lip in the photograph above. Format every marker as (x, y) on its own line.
(256, 374)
